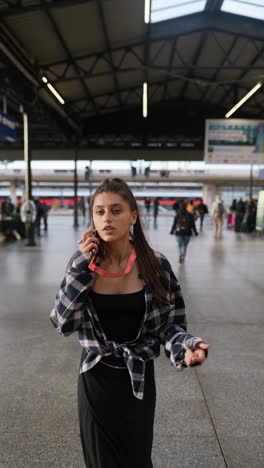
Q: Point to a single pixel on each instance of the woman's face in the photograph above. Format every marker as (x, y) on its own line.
(112, 216)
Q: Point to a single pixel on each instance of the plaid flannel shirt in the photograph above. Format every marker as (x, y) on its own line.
(162, 325)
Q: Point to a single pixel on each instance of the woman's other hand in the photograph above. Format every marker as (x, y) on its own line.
(197, 356)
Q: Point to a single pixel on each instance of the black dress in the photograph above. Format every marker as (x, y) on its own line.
(116, 427)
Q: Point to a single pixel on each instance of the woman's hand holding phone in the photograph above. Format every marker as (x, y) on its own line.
(89, 243)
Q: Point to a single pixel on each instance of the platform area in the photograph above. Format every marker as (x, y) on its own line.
(209, 417)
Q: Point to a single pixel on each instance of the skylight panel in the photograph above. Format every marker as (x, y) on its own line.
(162, 10)
(250, 8)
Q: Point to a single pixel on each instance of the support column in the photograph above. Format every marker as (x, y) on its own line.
(88, 179)
(28, 206)
(27, 158)
(13, 193)
(75, 215)
(251, 181)
(209, 192)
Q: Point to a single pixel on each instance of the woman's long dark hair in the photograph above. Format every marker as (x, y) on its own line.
(148, 264)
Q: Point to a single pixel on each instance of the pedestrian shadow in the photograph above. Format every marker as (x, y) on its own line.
(218, 251)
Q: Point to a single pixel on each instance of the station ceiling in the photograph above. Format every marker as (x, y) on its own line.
(98, 53)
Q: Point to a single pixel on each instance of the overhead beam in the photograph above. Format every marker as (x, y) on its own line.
(197, 53)
(169, 69)
(24, 66)
(15, 10)
(222, 66)
(93, 55)
(206, 21)
(70, 57)
(108, 48)
(258, 55)
(138, 87)
(213, 5)
(176, 71)
(209, 21)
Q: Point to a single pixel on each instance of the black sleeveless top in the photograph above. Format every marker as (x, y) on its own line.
(120, 316)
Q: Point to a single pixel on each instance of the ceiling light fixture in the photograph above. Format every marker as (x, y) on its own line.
(53, 90)
(244, 99)
(145, 99)
(147, 11)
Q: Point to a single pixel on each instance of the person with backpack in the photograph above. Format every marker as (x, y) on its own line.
(155, 212)
(240, 213)
(218, 214)
(202, 211)
(182, 227)
(251, 212)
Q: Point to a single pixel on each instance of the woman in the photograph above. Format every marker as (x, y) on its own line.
(182, 227)
(124, 301)
(218, 214)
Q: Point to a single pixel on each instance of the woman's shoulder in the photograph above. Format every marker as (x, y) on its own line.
(163, 260)
(79, 261)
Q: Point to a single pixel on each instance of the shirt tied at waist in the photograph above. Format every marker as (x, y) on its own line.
(134, 362)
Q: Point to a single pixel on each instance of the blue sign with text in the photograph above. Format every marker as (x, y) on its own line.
(7, 127)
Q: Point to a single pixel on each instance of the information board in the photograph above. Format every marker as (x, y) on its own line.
(234, 141)
(7, 127)
(260, 211)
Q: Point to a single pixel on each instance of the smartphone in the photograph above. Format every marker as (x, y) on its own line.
(94, 235)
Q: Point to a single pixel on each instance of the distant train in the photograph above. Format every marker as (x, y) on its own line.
(54, 202)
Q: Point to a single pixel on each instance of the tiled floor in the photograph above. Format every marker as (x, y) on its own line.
(211, 417)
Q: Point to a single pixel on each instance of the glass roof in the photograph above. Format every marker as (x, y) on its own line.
(162, 10)
(250, 8)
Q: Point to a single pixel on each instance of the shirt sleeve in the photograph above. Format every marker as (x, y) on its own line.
(68, 312)
(174, 335)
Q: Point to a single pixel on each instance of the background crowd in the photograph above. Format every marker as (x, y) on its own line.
(240, 216)
(12, 226)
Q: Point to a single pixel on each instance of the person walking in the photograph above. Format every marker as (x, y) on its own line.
(124, 301)
(147, 204)
(182, 227)
(45, 215)
(155, 212)
(202, 210)
(232, 214)
(251, 212)
(218, 214)
(39, 215)
(82, 206)
(240, 210)
(175, 206)
(190, 206)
